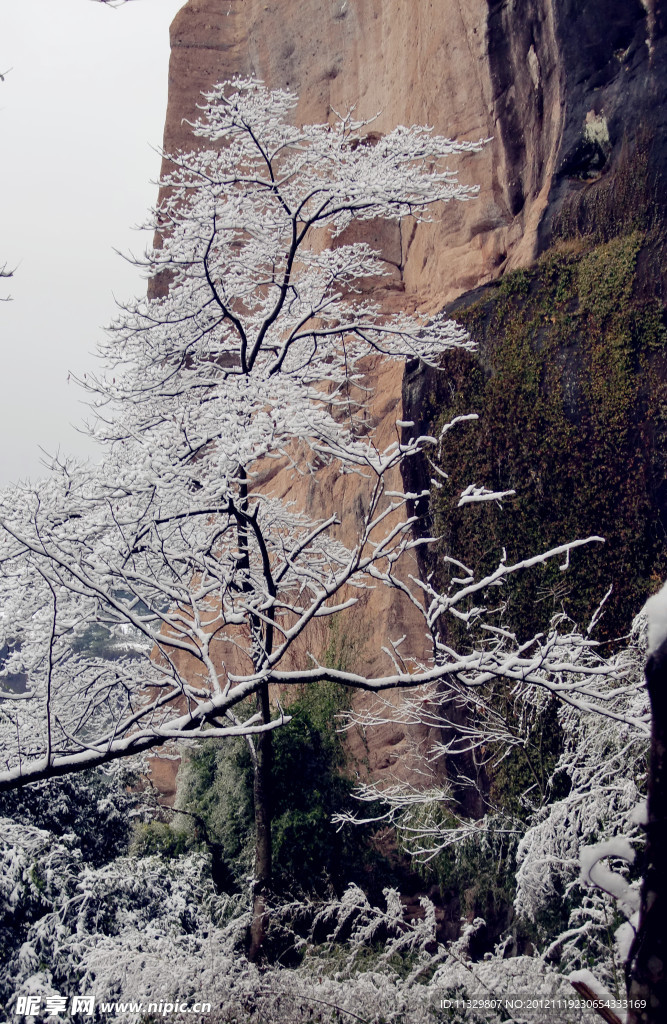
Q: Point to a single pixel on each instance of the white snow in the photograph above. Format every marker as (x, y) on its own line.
(599, 991)
(640, 814)
(476, 493)
(592, 870)
(656, 610)
(585, 977)
(625, 936)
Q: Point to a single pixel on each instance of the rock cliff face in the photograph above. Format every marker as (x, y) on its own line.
(558, 85)
(578, 339)
(563, 89)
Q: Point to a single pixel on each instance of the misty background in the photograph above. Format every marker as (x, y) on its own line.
(82, 111)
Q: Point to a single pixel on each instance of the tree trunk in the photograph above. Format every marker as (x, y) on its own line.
(647, 977)
(263, 745)
(263, 854)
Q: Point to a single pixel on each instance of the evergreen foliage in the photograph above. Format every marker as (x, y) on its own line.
(94, 809)
(310, 783)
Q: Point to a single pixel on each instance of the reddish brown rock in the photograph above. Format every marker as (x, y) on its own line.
(533, 76)
(410, 61)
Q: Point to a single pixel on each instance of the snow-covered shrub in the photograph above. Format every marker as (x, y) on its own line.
(144, 928)
(97, 808)
(603, 770)
(147, 929)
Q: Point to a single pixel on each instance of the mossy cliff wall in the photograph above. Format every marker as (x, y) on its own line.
(569, 384)
(570, 378)
(573, 96)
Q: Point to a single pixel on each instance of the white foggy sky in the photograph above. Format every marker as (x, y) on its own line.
(79, 111)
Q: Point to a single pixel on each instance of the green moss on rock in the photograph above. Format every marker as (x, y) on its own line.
(569, 385)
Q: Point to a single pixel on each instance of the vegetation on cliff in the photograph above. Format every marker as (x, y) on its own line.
(572, 410)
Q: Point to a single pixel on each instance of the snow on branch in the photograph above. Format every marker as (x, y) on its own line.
(149, 597)
(476, 493)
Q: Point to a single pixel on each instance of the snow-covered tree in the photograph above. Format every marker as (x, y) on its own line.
(250, 353)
